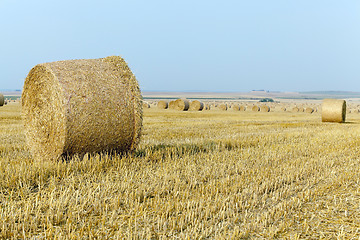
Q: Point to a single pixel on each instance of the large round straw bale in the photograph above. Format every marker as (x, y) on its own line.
(163, 104)
(223, 107)
(283, 109)
(242, 108)
(309, 110)
(181, 104)
(255, 108)
(2, 100)
(78, 106)
(264, 108)
(196, 106)
(333, 110)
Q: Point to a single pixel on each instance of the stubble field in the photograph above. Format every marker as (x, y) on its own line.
(195, 175)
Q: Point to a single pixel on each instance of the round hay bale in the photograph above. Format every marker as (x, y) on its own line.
(255, 108)
(264, 108)
(162, 104)
(242, 109)
(333, 110)
(172, 105)
(235, 108)
(309, 110)
(283, 109)
(146, 105)
(2, 100)
(64, 112)
(181, 104)
(223, 107)
(295, 109)
(196, 106)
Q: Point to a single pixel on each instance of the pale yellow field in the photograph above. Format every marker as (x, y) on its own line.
(196, 175)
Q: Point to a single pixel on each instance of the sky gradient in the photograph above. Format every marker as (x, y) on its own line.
(237, 46)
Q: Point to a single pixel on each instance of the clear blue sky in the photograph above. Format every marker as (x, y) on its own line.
(187, 45)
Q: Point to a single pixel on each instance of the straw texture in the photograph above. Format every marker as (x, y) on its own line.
(196, 106)
(333, 110)
(78, 106)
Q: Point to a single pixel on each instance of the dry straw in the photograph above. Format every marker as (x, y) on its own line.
(242, 109)
(283, 109)
(2, 100)
(163, 104)
(196, 106)
(264, 108)
(333, 110)
(78, 106)
(181, 104)
(255, 108)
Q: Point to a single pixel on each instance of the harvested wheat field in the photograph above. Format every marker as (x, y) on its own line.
(194, 175)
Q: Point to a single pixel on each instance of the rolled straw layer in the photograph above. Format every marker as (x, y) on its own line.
(79, 106)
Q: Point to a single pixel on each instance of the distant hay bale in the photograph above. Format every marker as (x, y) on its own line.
(181, 104)
(78, 106)
(2, 100)
(295, 109)
(242, 109)
(283, 109)
(196, 106)
(223, 107)
(309, 110)
(236, 108)
(146, 105)
(172, 105)
(255, 108)
(333, 110)
(163, 104)
(264, 108)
